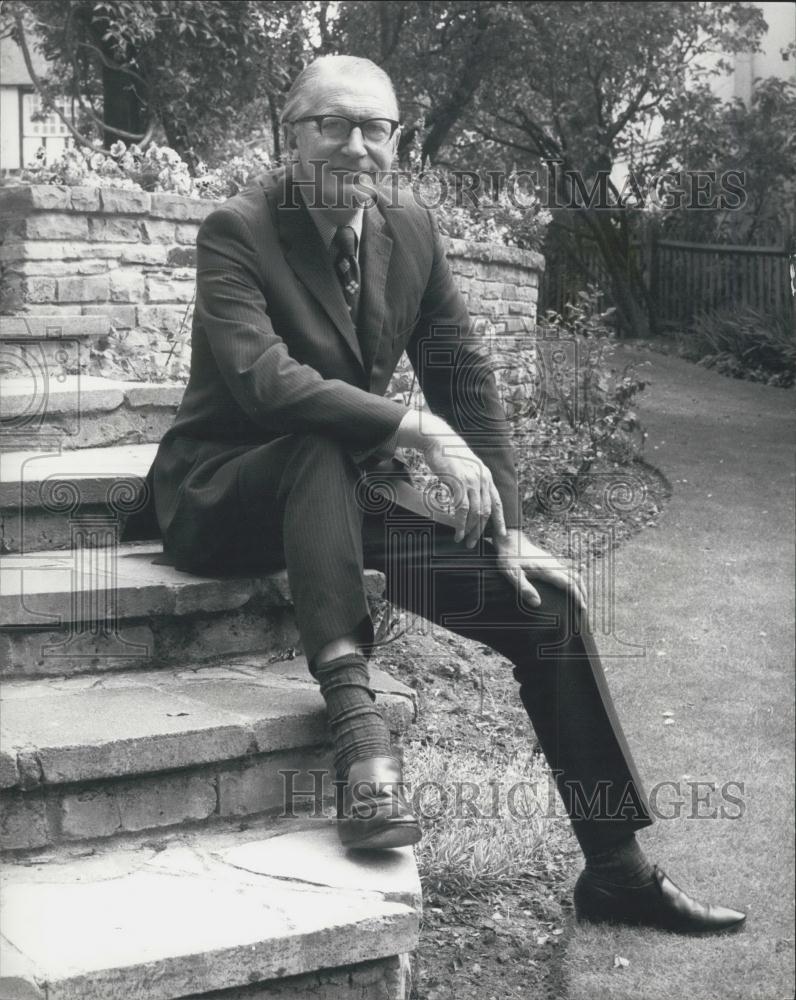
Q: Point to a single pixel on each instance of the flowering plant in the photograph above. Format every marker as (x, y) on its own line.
(157, 168)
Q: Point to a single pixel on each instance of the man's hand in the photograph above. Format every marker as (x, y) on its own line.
(519, 559)
(475, 496)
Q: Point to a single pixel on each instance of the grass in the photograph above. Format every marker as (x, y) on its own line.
(710, 593)
(484, 817)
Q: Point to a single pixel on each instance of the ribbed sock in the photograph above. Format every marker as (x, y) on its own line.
(623, 864)
(357, 726)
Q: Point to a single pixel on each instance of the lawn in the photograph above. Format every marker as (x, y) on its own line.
(705, 591)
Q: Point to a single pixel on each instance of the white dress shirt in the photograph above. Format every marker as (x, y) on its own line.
(327, 229)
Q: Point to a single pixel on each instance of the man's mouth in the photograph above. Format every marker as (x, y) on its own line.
(355, 186)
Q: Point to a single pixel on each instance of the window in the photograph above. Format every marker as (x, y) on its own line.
(50, 124)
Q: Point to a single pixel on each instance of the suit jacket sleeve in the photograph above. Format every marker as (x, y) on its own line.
(385, 449)
(458, 384)
(276, 391)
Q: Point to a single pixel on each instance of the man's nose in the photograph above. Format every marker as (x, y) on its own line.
(355, 144)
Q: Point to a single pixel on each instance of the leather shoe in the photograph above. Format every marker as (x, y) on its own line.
(374, 813)
(659, 904)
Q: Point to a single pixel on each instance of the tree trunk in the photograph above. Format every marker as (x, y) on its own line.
(624, 275)
(632, 316)
(121, 107)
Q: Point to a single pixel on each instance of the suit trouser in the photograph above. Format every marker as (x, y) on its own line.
(305, 504)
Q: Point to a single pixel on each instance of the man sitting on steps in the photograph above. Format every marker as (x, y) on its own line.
(307, 294)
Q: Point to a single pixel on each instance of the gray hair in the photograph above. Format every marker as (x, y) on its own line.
(351, 66)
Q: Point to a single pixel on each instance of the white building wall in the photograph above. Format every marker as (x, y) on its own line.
(9, 128)
(16, 87)
(748, 66)
(781, 20)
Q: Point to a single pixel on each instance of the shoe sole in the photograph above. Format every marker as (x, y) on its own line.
(394, 835)
(616, 922)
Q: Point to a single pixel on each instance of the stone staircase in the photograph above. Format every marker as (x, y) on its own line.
(166, 783)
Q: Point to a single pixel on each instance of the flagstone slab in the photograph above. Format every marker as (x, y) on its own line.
(50, 588)
(31, 477)
(90, 728)
(155, 924)
(45, 409)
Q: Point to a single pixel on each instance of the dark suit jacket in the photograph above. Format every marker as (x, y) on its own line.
(275, 352)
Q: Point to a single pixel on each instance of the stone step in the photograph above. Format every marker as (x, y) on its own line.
(42, 411)
(114, 608)
(41, 492)
(100, 756)
(33, 344)
(31, 329)
(248, 912)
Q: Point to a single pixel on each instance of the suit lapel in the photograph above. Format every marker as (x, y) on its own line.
(311, 261)
(374, 264)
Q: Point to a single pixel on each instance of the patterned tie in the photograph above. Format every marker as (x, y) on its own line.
(345, 246)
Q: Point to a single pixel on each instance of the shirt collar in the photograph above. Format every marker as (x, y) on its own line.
(327, 229)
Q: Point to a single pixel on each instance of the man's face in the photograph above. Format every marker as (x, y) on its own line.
(348, 164)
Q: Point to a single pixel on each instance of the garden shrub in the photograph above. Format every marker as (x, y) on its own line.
(744, 342)
(145, 354)
(573, 418)
(565, 423)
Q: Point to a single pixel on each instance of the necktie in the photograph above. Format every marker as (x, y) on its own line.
(347, 266)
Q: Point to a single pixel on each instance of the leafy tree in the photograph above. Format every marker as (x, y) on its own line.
(703, 133)
(578, 84)
(575, 84)
(186, 66)
(438, 54)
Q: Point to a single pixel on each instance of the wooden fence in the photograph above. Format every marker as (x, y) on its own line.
(690, 278)
(571, 263)
(683, 278)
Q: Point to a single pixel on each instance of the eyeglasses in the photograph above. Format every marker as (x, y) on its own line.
(337, 128)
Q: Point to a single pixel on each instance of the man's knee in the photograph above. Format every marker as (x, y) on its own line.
(321, 459)
(557, 628)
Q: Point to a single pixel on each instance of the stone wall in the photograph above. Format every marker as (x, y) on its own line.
(126, 255)
(500, 283)
(130, 256)
(379, 979)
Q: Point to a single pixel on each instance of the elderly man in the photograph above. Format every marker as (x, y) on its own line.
(310, 285)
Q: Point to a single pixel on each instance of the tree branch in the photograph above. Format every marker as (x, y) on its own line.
(504, 142)
(633, 107)
(112, 65)
(50, 105)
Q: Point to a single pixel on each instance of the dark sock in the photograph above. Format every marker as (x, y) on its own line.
(357, 726)
(623, 864)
